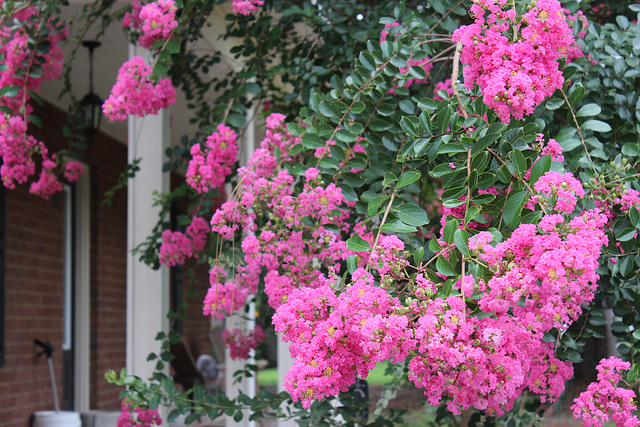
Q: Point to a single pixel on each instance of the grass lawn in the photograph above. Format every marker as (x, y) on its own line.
(269, 377)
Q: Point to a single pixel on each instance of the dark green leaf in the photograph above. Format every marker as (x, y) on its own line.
(540, 167)
(408, 178)
(412, 215)
(398, 226)
(513, 207)
(461, 239)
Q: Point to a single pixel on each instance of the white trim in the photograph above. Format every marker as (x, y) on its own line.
(82, 273)
(147, 289)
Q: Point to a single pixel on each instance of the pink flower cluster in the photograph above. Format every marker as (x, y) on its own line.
(135, 416)
(552, 148)
(560, 191)
(223, 298)
(17, 150)
(47, 183)
(156, 20)
(176, 246)
(604, 400)
(480, 363)
(241, 344)
(16, 147)
(334, 338)
(628, 198)
(579, 30)
(246, 7)
(73, 171)
(135, 93)
(211, 164)
(18, 58)
(514, 60)
(291, 250)
(543, 274)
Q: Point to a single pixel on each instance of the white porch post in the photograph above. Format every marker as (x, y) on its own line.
(147, 289)
(246, 385)
(285, 363)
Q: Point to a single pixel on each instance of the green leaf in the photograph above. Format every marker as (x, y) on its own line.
(9, 91)
(554, 103)
(626, 235)
(596, 126)
(445, 267)
(173, 45)
(449, 228)
(540, 167)
(312, 141)
(589, 110)
(472, 213)
(346, 136)
(634, 216)
(513, 208)
(236, 120)
(461, 239)
(367, 60)
(408, 178)
(412, 215)
(520, 161)
(630, 149)
(398, 226)
(352, 263)
(410, 125)
(483, 143)
(417, 255)
(328, 109)
(389, 178)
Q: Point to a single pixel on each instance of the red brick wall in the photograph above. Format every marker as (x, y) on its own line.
(33, 282)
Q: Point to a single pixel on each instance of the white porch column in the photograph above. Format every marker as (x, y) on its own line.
(147, 289)
(246, 385)
(285, 363)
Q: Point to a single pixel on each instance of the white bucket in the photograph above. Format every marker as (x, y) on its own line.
(57, 419)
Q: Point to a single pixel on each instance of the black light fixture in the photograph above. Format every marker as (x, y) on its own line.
(91, 103)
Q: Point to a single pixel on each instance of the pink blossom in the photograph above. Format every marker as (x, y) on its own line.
(73, 171)
(211, 163)
(241, 344)
(176, 246)
(604, 400)
(246, 7)
(137, 416)
(275, 120)
(514, 74)
(135, 93)
(158, 20)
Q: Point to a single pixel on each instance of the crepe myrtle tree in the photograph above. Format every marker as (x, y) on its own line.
(450, 188)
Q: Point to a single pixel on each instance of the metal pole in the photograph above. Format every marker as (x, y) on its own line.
(56, 405)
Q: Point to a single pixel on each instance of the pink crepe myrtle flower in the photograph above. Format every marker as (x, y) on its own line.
(605, 400)
(246, 7)
(135, 416)
(514, 74)
(561, 191)
(211, 163)
(177, 246)
(135, 93)
(241, 344)
(73, 171)
(155, 21)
